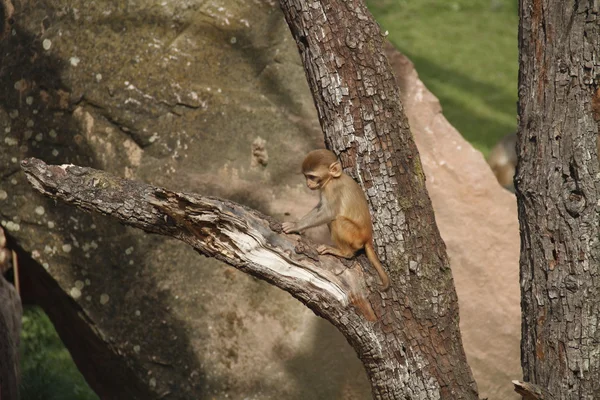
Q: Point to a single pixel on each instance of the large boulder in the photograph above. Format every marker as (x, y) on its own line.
(209, 97)
(206, 97)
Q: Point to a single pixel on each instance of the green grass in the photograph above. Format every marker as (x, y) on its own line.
(47, 369)
(466, 52)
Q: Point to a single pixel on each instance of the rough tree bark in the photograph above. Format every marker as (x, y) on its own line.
(249, 241)
(558, 191)
(363, 120)
(10, 328)
(413, 348)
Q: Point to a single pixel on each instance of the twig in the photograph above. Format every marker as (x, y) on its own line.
(529, 391)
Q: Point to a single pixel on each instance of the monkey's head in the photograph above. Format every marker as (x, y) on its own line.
(319, 167)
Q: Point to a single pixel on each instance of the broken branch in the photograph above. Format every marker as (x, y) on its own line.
(229, 232)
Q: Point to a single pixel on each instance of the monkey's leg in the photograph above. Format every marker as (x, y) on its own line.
(344, 234)
(323, 249)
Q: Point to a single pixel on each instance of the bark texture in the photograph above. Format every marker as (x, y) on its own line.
(558, 190)
(419, 353)
(248, 241)
(216, 228)
(414, 349)
(10, 328)
(142, 110)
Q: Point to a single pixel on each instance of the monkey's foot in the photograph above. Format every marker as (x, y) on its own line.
(322, 249)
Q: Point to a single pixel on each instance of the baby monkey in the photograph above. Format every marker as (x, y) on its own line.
(343, 207)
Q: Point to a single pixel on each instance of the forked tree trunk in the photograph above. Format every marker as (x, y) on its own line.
(358, 103)
(408, 338)
(558, 187)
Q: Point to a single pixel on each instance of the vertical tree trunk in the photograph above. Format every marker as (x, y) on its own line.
(416, 351)
(10, 329)
(558, 189)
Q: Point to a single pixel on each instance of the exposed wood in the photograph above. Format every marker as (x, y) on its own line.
(413, 349)
(247, 240)
(216, 228)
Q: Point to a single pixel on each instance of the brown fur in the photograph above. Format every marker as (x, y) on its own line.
(503, 161)
(318, 158)
(503, 157)
(343, 207)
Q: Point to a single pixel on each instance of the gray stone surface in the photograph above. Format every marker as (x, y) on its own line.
(172, 93)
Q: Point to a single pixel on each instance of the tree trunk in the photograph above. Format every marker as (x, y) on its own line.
(419, 353)
(408, 337)
(10, 328)
(558, 191)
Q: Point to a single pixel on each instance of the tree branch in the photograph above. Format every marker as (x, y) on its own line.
(229, 232)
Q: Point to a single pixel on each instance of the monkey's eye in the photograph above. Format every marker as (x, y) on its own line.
(311, 177)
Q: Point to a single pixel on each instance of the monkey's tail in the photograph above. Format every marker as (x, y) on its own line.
(374, 260)
(363, 306)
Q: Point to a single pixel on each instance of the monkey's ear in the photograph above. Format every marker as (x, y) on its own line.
(335, 169)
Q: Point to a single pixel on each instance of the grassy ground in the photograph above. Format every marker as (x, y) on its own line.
(466, 53)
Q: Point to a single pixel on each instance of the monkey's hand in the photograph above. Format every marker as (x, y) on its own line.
(289, 227)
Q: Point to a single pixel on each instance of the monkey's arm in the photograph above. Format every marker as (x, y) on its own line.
(319, 215)
(229, 232)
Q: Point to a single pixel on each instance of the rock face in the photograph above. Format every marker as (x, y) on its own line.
(177, 94)
(210, 97)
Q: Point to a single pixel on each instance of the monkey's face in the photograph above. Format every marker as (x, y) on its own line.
(312, 181)
(318, 178)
